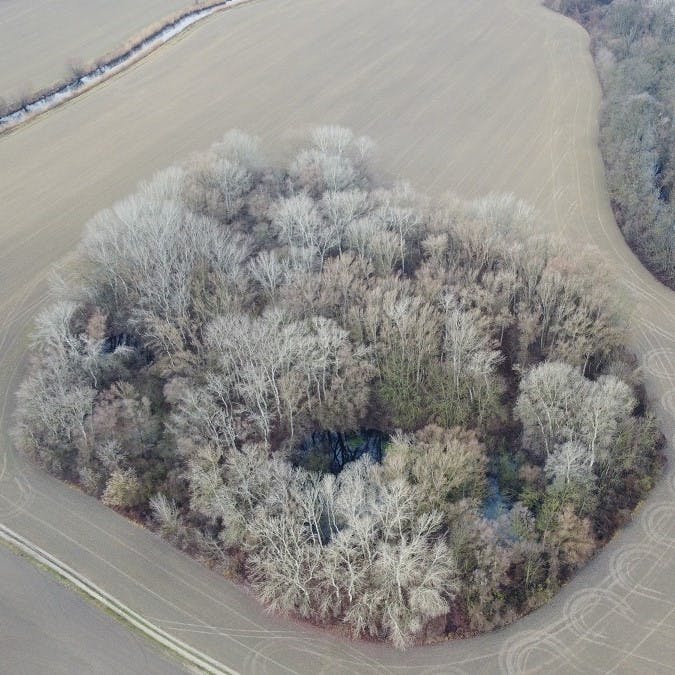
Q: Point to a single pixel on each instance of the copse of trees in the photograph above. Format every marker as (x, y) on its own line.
(633, 42)
(405, 418)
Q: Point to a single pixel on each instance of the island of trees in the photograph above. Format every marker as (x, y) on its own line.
(633, 43)
(410, 420)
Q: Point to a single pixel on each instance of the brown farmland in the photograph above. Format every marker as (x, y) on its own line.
(40, 39)
(472, 97)
(49, 628)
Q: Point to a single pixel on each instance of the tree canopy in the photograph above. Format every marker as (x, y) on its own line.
(633, 42)
(406, 418)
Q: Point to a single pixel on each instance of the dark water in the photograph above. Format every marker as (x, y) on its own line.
(331, 450)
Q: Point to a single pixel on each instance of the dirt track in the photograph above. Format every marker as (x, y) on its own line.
(471, 96)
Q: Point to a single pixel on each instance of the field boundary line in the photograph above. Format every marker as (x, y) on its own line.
(189, 654)
(55, 95)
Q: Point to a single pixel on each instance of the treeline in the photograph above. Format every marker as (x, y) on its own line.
(633, 42)
(222, 327)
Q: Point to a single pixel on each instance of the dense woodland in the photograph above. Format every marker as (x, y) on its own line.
(407, 419)
(633, 42)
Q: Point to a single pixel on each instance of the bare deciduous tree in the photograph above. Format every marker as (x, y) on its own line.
(299, 376)
(558, 405)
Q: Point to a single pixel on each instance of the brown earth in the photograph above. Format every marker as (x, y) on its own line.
(40, 38)
(471, 97)
(48, 628)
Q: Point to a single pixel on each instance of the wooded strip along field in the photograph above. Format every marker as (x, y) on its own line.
(42, 38)
(471, 97)
(633, 45)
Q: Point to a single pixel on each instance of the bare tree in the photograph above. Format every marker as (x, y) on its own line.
(234, 333)
(569, 463)
(240, 148)
(401, 212)
(122, 489)
(444, 465)
(300, 224)
(268, 271)
(216, 187)
(350, 548)
(557, 404)
(549, 395)
(342, 208)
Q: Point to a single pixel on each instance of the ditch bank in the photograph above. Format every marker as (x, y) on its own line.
(45, 100)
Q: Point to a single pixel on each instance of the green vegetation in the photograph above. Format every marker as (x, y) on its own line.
(408, 419)
(633, 42)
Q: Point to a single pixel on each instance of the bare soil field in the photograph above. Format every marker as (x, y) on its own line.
(47, 628)
(472, 97)
(41, 37)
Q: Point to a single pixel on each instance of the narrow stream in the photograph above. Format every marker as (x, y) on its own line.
(105, 70)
